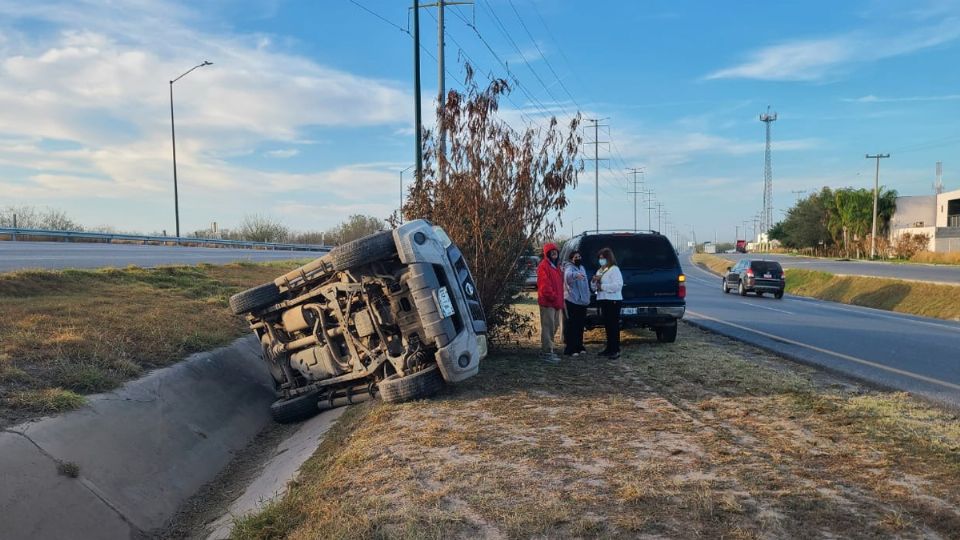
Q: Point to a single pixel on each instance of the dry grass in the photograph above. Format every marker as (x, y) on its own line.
(703, 438)
(936, 258)
(63, 334)
(913, 297)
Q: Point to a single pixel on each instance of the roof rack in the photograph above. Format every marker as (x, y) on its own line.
(625, 231)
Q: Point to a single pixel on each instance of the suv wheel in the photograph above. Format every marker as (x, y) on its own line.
(723, 282)
(741, 289)
(255, 298)
(362, 251)
(287, 411)
(778, 295)
(667, 334)
(419, 385)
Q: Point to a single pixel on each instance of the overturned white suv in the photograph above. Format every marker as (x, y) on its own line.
(395, 313)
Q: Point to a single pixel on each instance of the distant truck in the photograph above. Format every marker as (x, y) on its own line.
(741, 246)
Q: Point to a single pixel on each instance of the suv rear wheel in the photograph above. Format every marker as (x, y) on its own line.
(741, 289)
(363, 251)
(295, 409)
(667, 334)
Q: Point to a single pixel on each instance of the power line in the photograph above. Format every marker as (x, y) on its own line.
(545, 59)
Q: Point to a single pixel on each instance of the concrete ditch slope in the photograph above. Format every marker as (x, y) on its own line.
(139, 452)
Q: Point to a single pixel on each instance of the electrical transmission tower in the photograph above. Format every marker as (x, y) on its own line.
(596, 164)
(766, 218)
(635, 192)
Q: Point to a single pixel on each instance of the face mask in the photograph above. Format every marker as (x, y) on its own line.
(602, 261)
(576, 261)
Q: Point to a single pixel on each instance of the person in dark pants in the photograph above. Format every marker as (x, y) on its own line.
(608, 284)
(576, 296)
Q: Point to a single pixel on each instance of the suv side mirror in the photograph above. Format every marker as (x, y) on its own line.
(729, 268)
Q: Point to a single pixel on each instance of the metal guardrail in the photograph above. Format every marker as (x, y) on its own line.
(67, 236)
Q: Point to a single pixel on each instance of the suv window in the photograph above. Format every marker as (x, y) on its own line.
(633, 251)
(763, 267)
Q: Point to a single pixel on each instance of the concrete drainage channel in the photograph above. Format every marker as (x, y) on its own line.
(122, 466)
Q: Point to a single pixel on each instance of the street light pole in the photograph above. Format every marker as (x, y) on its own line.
(173, 141)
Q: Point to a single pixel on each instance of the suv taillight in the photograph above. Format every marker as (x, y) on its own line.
(682, 289)
(749, 272)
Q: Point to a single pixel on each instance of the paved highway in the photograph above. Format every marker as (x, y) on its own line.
(55, 255)
(915, 354)
(920, 272)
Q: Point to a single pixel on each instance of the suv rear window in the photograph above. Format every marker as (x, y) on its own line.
(763, 267)
(632, 251)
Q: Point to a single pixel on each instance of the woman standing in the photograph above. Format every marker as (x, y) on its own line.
(576, 296)
(608, 284)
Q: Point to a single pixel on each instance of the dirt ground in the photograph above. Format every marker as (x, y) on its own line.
(704, 438)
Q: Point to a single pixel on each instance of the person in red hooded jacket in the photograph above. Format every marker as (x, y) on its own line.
(550, 299)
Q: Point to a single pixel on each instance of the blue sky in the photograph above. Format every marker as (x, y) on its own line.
(306, 114)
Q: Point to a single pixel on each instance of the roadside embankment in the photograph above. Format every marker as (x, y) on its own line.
(911, 297)
(706, 437)
(64, 334)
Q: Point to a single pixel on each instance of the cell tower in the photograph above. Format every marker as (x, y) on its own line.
(938, 187)
(766, 217)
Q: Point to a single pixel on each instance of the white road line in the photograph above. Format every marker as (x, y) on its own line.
(766, 307)
(842, 356)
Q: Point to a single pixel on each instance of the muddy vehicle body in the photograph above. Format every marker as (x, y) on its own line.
(395, 314)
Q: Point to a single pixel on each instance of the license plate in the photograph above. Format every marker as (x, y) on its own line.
(446, 305)
(767, 276)
(629, 311)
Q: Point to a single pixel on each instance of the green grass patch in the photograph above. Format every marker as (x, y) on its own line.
(87, 331)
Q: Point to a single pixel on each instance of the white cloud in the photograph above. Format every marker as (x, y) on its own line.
(906, 99)
(815, 59)
(283, 153)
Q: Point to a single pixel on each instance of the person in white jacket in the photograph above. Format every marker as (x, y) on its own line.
(608, 284)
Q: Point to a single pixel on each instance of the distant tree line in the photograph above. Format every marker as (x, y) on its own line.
(252, 228)
(838, 221)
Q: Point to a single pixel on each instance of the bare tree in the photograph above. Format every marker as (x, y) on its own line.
(355, 226)
(260, 228)
(501, 188)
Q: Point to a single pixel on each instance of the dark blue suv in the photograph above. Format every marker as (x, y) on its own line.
(654, 287)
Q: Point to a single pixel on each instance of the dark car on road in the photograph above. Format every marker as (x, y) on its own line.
(654, 286)
(756, 276)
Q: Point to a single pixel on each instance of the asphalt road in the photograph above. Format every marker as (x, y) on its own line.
(915, 354)
(56, 255)
(920, 272)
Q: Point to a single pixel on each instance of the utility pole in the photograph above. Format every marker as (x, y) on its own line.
(441, 80)
(416, 90)
(766, 222)
(659, 211)
(635, 192)
(650, 207)
(798, 193)
(596, 167)
(876, 189)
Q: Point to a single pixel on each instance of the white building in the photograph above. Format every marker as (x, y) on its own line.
(937, 216)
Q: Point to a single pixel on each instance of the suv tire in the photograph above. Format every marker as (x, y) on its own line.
(288, 411)
(255, 298)
(667, 334)
(778, 295)
(363, 251)
(741, 289)
(723, 281)
(419, 385)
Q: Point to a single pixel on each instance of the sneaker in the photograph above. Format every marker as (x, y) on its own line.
(576, 354)
(550, 358)
(582, 351)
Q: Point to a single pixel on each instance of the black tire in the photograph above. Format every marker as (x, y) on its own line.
(741, 289)
(778, 295)
(667, 334)
(288, 411)
(255, 298)
(419, 385)
(362, 251)
(726, 290)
